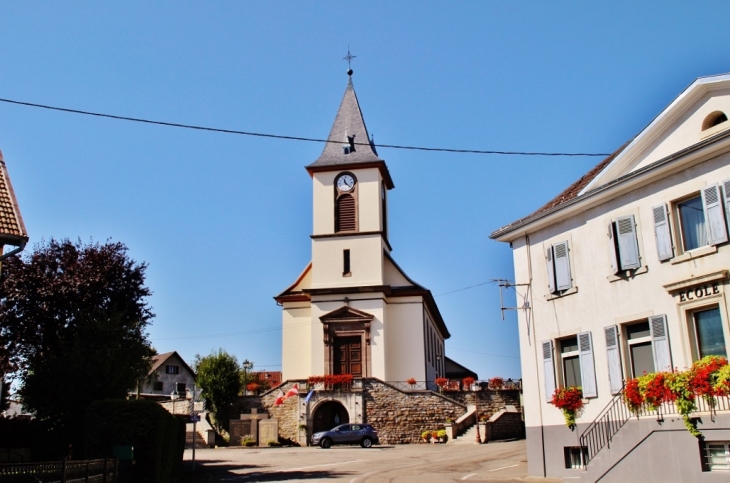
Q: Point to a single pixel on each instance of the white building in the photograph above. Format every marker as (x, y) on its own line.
(626, 272)
(353, 310)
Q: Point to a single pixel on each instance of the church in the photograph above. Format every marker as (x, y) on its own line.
(353, 310)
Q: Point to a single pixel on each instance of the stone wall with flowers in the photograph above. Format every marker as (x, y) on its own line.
(490, 401)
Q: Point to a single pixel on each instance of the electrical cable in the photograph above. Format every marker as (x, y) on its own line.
(290, 138)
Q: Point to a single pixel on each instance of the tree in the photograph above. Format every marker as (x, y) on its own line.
(219, 376)
(72, 324)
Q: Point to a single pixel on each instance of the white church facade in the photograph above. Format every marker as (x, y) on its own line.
(353, 310)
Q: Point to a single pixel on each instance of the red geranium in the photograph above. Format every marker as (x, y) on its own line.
(569, 400)
(441, 381)
(701, 376)
(496, 383)
(468, 381)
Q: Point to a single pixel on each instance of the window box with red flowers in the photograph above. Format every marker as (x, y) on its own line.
(570, 401)
(496, 383)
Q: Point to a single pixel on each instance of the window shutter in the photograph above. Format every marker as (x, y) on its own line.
(726, 190)
(612, 248)
(551, 269)
(714, 216)
(613, 356)
(547, 361)
(346, 216)
(587, 365)
(661, 231)
(628, 245)
(562, 266)
(660, 343)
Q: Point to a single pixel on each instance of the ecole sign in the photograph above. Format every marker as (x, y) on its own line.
(699, 292)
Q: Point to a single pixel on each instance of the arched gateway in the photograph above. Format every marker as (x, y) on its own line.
(328, 415)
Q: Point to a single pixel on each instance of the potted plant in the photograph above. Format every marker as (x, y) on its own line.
(570, 401)
(253, 387)
(468, 381)
(496, 383)
(247, 440)
(441, 382)
(426, 436)
(412, 382)
(442, 436)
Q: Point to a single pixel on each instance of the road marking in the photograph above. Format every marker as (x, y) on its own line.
(467, 476)
(447, 459)
(361, 476)
(504, 467)
(319, 466)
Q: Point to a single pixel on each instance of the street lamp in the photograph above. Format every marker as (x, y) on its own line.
(247, 366)
(475, 389)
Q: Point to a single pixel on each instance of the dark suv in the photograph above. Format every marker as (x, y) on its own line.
(362, 434)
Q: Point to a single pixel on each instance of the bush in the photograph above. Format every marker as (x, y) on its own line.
(274, 444)
(157, 436)
(247, 440)
(426, 435)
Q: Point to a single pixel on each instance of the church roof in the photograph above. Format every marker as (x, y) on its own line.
(349, 131)
(12, 228)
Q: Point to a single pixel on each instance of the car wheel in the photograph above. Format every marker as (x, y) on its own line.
(366, 443)
(325, 443)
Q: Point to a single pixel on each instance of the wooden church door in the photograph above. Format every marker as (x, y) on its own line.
(348, 356)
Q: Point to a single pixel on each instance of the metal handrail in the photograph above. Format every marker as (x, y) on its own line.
(614, 416)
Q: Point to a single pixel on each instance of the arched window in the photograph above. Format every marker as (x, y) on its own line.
(713, 119)
(346, 219)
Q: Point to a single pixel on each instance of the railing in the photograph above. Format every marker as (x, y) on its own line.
(615, 415)
(90, 471)
(452, 385)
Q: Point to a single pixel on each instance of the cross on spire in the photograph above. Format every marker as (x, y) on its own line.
(349, 58)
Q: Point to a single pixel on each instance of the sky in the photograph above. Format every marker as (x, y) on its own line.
(223, 221)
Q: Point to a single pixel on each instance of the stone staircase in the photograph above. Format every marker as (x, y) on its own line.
(200, 441)
(468, 437)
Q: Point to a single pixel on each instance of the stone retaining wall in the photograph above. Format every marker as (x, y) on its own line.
(399, 416)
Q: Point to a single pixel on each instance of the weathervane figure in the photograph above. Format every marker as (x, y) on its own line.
(349, 58)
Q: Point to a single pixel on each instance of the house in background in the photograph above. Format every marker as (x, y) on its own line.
(267, 379)
(625, 273)
(169, 374)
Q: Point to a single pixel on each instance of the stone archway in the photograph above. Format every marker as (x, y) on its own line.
(328, 415)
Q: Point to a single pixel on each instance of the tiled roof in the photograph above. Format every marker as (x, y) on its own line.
(12, 228)
(568, 194)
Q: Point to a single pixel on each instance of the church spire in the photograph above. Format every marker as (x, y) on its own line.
(349, 143)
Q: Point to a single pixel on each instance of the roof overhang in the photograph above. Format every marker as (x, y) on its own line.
(705, 149)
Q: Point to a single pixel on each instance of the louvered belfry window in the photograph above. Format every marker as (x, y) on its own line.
(346, 214)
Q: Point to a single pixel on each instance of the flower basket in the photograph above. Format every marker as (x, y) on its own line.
(441, 382)
(570, 401)
(496, 383)
(468, 381)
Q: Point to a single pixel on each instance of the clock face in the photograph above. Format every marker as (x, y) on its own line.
(345, 182)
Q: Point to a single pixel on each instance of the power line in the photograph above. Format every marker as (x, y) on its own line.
(290, 138)
(483, 353)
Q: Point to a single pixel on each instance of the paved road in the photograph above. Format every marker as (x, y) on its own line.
(422, 463)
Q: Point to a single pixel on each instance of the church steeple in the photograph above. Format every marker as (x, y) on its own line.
(349, 145)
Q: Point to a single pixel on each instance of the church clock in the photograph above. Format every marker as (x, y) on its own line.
(345, 182)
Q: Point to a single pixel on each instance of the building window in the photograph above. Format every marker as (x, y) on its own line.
(692, 223)
(345, 263)
(157, 386)
(570, 361)
(575, 456)
(707, 331)
(180, 388)
(558, 266)
(717, 455)
(641, 353)
(172, 369)
(713, 119)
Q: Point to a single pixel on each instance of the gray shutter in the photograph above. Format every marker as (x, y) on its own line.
(549, 366)
(551, 269)
(714, 217)
(661, 231)
(628, 245)
(562, 266)
(660, 343)
(613, 356)
(587, 365)
(726, 190)
(612, 248)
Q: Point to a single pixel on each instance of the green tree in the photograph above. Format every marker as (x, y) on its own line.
(219, 376)
(72, 323)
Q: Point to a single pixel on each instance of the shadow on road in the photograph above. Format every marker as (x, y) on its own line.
(211, 471)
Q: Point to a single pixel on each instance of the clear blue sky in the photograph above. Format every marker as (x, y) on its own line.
(224, 220)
